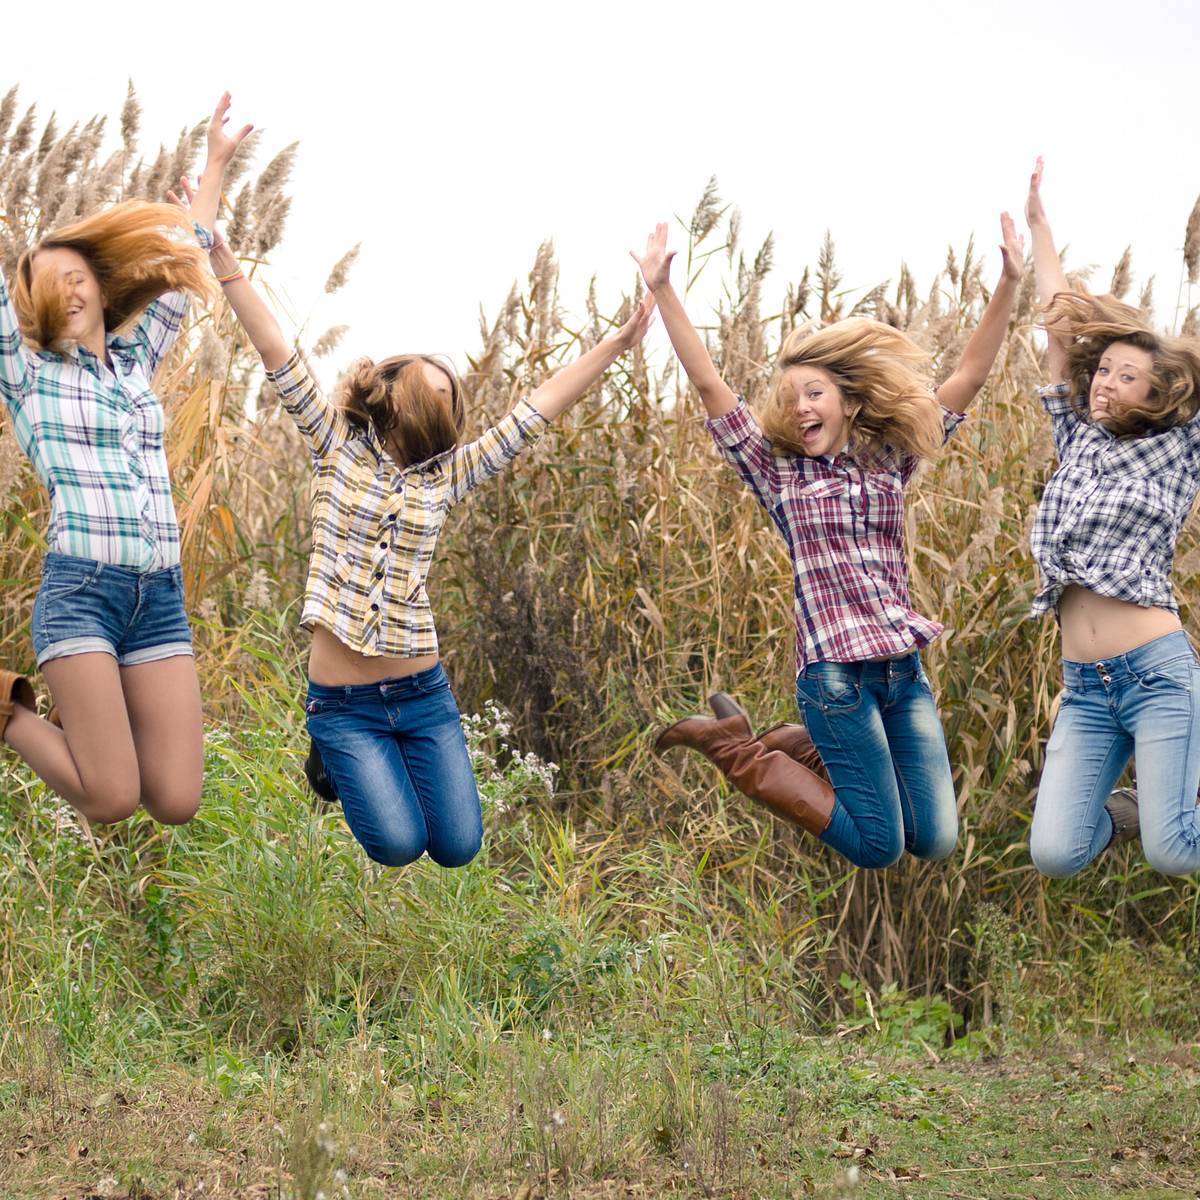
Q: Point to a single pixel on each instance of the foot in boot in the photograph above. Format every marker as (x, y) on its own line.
(1122, 807)
(14, 689)
(318, 780)
(792, 739)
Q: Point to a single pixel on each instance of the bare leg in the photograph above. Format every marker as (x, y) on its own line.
(91, 761)
(163, 702)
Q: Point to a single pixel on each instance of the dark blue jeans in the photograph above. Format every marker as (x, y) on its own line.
(880, 737)
(396, 754)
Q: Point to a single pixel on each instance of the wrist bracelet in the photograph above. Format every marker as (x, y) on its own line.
(224, 279)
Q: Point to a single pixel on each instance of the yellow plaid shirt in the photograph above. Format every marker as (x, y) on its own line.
(375, 524)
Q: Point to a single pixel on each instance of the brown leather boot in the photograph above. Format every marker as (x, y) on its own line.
(793, 740)
(14, 689)
(788, 789)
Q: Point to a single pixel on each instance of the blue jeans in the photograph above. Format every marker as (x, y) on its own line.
(880, 737)
(396, 754)
(1142, 703)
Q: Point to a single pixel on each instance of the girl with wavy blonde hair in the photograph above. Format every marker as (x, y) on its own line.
(849, 416)
(389, 464)
(1124, 413)
(95, 308)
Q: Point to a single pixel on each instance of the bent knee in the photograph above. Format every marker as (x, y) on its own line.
(937, 850)
(176, 809)
(878, 858)
(1056, 862)
(394, 853)
(107, 806)
(1168, 860)
(456, 856)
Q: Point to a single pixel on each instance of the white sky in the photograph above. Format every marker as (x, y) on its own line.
(452, 139)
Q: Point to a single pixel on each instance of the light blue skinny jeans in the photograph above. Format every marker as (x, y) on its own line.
(881, 740)
(1145, 704)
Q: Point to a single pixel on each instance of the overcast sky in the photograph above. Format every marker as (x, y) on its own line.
(452, 139)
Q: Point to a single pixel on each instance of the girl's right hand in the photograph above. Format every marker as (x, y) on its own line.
(221, 146)
(655, 264)
(1035, 214)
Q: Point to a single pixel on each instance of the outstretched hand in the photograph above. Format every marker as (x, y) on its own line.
(1012, 249)
(655, 264)
(1034, 212)
(635, 328)
(221, 145)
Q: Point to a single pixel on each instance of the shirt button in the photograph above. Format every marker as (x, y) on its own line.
(378, 574)
(374, 607)
(383, 545)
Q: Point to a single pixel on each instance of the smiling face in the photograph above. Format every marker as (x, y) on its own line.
(85, 301)
(1122, 378)
(821, 413)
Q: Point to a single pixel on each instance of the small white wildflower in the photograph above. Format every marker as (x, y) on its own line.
(339, 1177)
(547, 1035)
(557, 1119)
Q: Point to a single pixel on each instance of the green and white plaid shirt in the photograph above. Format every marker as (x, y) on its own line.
(94, 434)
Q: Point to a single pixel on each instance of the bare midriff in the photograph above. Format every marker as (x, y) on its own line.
(1098, 627)
(332, 663)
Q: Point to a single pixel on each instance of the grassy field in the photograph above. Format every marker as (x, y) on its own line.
(246, 1007)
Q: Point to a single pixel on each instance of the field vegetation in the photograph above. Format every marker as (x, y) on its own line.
(643, 986)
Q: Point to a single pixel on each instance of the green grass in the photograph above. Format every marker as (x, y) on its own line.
(246, 1007)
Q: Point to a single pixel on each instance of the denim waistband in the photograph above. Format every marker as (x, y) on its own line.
(52, 559)
(1159, 651)
(394, 688)
(908, 666)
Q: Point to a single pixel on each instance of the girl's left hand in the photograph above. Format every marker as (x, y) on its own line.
(635, 328)
(221, 146)
(1012, 249)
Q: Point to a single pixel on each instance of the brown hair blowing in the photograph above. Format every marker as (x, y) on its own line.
(135, 256)
(394, 398)
(1090, 324)
(882, 375)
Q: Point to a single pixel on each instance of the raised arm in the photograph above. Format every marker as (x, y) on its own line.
(206, 200)
(1047, 268)
(984, 343)
(566, 386)
(717, 396)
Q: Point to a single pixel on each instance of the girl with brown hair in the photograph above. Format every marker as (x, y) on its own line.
(389, 464)
(95, 308)
(1124, 414)
(849, 417)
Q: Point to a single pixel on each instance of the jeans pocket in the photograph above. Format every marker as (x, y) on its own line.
(322, 706)
(830, 690)
(59, 582)
(1174, 676)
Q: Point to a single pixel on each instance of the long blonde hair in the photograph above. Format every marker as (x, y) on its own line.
(134, 257)
(882, 374)
(1090, 324)
(394, 397)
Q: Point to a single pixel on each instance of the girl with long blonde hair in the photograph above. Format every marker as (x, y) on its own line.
(849, 417)
(95, 308)
(1123, 409)
(390, 462)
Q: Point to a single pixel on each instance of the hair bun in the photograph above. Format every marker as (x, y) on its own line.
(362, 389)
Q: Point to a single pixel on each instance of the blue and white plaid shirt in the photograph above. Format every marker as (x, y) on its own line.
(94, 434)
(1110, 515)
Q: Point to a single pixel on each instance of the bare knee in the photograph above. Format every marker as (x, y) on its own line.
(111, 802)
(172, 806)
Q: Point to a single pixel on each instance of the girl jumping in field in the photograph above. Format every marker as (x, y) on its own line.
(1123, 411)
(849, 416)
(95, 308)
(390, 463)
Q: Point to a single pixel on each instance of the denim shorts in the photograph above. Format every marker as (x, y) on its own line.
(85, 607)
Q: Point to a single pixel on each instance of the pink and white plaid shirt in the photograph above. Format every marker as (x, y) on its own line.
(844, 528)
